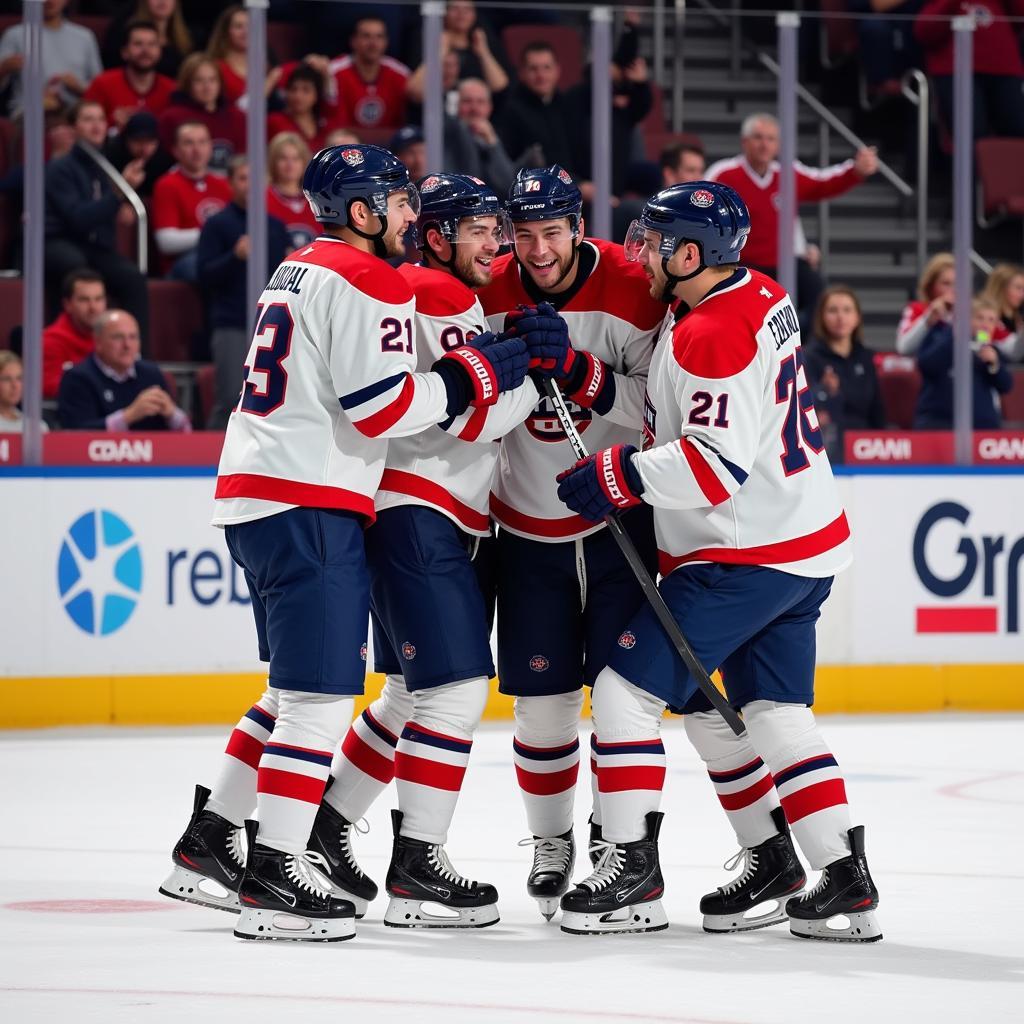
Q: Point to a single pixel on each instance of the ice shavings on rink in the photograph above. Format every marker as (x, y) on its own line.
(90, 817)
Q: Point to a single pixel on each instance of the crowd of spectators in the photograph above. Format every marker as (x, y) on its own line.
(164, 99)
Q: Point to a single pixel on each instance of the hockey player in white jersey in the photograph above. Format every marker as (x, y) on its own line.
(330, 376)
(564, 591)
(431, 623)
(750, 534)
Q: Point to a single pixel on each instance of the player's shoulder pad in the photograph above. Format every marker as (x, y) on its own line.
(438, 294)
(718, 338)
(365, 272)
(506, 290)
(619, 287)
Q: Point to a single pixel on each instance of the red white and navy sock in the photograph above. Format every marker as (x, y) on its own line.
(807, 777)
(365, 763)
(630, 778)
(547, 781)
(233, 795)
(595, 792)
(295, 766)
(429, 769)
(742, 781)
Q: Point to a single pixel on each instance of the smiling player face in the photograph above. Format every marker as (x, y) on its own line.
(545, 248)
(401, 216)
(478, 244)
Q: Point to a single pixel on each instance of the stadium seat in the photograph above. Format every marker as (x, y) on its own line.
(1013, 402)
(899, 393)
(286, 40)
(175, 315)
(98, 24)
(655, 119)
(10, 308)
(564, 39)
(205, 382)
(1000, 186)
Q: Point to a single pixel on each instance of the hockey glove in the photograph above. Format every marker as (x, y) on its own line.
(602, 483)
(546, 336)
(477, 373)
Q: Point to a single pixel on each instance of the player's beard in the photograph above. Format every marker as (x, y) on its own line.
(563, 265)
(468, 271)
(394, 242)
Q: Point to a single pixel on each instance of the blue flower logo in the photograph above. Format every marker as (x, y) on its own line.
(99, 572)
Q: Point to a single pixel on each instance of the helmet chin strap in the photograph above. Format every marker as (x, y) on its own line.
(671, 280)
(379, 248)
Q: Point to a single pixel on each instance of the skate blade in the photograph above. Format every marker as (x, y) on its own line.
(192, 887)
(862, 927)
(641, 917)
(275, 924)
(548, 906)
(761, 915)
(403, 913)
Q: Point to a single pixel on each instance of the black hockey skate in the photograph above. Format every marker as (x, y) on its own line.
(595, 846)
(624, 892)
(757, 898)
(332, 839)
(553, 861)
(284, 896)
(840, 908)
(427, 892)
(208, 860)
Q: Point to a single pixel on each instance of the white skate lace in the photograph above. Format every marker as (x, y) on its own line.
(609, 866)
(549, 854)
(346, 843)
(822, 883)
(443, 866)
(236, 845)
(301, 870)
(748, 870)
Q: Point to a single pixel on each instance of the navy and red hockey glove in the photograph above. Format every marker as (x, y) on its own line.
(546, 336)
(478, 372)
(602, 483)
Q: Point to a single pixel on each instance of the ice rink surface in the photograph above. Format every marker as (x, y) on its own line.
(89, 817)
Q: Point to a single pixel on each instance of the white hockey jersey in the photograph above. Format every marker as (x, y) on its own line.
(328, 378)
(450, 467)
(733, 460)
(612, 316)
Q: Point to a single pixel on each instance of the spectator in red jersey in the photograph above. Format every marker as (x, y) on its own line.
(998, 68)
(81, 212)
(841, 371)
(172, 32)
(1005, 290)
(199, 98)
(754, 174)
(934, 303)
(368, 87)
(71, 59)
(184, 198)
(287, 157)
(682, 163)
(136, 86)
(68, 340)
(113, 389)
(473, 48)
(228, 46)
(224, 249)
(302, 114)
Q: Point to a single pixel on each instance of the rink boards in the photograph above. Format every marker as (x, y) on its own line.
(121, 604)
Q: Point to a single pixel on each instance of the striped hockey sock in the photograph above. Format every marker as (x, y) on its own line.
(741, 779)
(295, 766)
(547, 781)
(806, 776)
(429, 769)
(595, 791)
(234, 792)
(630, 778)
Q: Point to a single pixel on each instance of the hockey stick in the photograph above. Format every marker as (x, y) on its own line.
(647, 585)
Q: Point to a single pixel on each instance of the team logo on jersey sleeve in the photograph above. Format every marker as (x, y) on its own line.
(408, 651)
(543, 423)
(538, 663)
(628, 640)
(702, 198)
(353, 157)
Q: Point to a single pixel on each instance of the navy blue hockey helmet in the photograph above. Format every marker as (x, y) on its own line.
(339, 175)
(545, 193)
(445, 199)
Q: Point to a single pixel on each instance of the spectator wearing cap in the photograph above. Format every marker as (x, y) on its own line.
(139, 140)
(410, 146)
(71, 59)
(69, 339)
(222, 257)
(137, 85)
(113, 389)
(184, 198)
(199, 97)
(493, 164)
(81, 212)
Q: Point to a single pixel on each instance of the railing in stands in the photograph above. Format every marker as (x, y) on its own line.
(136, 203)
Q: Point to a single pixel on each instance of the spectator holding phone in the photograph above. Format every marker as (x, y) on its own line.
(933, 305)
